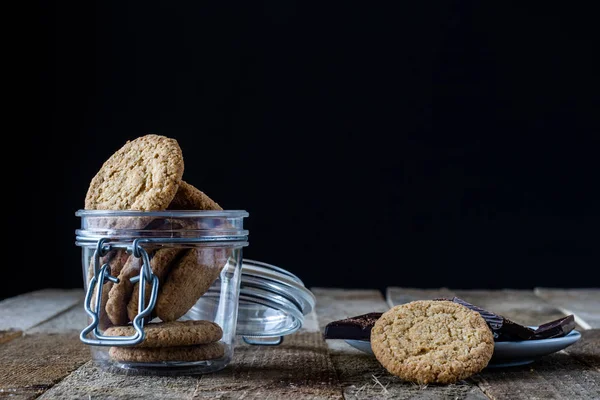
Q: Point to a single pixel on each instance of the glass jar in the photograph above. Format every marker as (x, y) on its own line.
(147, 270)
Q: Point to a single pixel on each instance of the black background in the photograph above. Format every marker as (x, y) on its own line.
(416, 144)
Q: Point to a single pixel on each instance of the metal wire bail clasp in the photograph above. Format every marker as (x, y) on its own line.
(101, 276)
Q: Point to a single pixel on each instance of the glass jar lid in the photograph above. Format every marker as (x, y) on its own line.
(272, 303)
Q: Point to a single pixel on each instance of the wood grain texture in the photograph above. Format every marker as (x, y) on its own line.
(583, 303)
(587, 349)
(30, 309)
(360, 374)
(73, 319)
(304, 367)
(93, 382)
(299, 368)
(9, 334)
(33, 363)
(557, 376)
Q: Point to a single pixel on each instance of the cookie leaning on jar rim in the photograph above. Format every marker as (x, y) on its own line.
(146, 175)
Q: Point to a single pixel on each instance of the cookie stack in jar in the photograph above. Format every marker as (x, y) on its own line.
(145, 175)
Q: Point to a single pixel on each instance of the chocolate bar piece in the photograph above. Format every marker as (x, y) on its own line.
(494, 321)
(506, 330)
(557, 328)
(512, 331)
(503, 328)
(358, 328)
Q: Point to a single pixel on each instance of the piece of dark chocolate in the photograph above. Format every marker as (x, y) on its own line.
(557, 328)
(357, 328)
(513, 331)
(503, 328)
(494, 321)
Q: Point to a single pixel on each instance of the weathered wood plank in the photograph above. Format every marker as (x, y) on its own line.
(299, 368)
(9, 334)
(398, 295)
(521, 306)
(557, 376)
(33, 363)
(72, 320)
(260, 372)
(360, 374)
(92, 382)
(256, 372)
(30, 309)
(584, 304)
(587, 349)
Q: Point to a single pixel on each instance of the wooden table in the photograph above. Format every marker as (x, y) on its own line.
(41, 355)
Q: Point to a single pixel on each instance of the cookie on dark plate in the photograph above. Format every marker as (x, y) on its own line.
(432, 341)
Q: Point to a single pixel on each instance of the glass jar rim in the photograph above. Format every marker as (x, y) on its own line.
(221, 226)
(166, 213)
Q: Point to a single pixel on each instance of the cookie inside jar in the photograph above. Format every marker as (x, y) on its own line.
(184, 275)
(153, 246)
(191, 323)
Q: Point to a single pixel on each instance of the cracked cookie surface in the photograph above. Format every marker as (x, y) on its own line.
(161, 354)
(190, 198)
(143, 175)
(187, 281)
(172, 334)
(432, 342)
